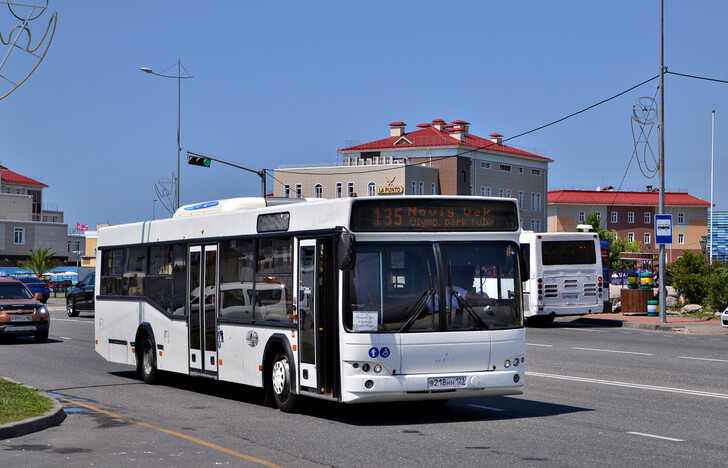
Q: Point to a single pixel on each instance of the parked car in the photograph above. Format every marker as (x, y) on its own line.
(36, 285)
(21, 312)
(724, 318)
(81, 296)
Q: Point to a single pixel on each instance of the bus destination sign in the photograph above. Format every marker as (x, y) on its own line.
(440, 214)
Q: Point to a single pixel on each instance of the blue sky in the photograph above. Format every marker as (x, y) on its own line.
(279, 83)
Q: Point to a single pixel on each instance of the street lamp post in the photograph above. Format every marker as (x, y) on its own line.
(179, 100)
(703, 244)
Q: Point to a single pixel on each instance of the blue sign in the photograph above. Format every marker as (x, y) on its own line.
(373, 352)
(384, 352)
(663, 229)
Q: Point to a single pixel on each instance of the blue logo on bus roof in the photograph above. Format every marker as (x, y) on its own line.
(200, 206)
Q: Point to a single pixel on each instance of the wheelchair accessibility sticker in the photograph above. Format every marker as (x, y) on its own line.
(374, 352)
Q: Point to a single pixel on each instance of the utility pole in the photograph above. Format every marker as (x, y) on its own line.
(661, 253)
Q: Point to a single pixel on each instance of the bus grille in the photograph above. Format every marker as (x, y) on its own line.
(590, 289)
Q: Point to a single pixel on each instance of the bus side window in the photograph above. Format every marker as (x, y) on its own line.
(525, 262)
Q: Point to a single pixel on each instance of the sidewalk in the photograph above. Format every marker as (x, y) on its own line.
(674, 323)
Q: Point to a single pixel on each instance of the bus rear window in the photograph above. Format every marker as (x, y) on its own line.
(568, 253)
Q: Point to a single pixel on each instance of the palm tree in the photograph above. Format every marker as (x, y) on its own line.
(40, 261)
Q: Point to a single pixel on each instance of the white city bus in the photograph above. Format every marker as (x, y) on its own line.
(565, 275)
(350, 300)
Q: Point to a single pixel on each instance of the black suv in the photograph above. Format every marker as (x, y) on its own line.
(81, 296)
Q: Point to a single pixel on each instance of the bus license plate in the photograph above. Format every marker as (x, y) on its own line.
(445, 382)
(21, 318)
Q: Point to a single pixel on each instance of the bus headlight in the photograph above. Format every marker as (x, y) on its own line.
(377, 368)
(516, 362)
(507, 364)
(365, 367)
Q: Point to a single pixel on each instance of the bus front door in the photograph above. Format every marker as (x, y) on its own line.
(317, 322)
(202, 304)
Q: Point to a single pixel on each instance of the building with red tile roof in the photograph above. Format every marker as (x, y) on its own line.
(632, 215)
(433, 158)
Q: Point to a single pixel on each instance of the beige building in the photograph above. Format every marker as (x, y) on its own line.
(437, 158)
(26, 223)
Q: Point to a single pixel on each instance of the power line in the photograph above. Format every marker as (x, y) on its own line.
(697, 77)
(573, 114)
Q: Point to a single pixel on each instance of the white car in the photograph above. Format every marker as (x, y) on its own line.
(724, 318)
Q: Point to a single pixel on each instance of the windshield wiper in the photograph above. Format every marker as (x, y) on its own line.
(415, 311)
(466, 305)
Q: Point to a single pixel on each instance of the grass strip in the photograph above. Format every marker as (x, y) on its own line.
(18, 402)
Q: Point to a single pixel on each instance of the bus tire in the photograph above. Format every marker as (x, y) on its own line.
(147, 364)
(71, 307)
(540, 320)
(284, 398)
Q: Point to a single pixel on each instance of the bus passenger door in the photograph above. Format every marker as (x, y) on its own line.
(202, 304)
(317, 321)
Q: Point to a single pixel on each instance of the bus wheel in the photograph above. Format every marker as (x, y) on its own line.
(281, 379)
(147, 366)
(71, 307)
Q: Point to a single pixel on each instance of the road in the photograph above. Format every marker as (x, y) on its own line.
(595, 396)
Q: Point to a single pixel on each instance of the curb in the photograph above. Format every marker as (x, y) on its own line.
(665, 327)
(52, 418)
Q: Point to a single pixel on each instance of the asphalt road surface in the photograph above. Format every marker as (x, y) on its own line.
(595, 396)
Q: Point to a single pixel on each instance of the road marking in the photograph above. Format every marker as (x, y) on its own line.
(173, 433)
(655, 436)
(65, 337)
(630, 385)
(584, 329)
(703, 359)
(488, 408)
(613, 351)
(542, 345)
(71, 320)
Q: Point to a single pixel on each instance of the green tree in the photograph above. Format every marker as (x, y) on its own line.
(717, 298)
(40, 261)
(691, 277)
(616, 244)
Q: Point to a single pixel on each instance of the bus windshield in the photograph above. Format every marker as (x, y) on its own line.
(426, 287)
(568, 252)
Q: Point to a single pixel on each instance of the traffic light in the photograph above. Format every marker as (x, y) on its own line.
(198, 161)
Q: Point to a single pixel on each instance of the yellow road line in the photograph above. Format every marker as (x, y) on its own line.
(174, 433)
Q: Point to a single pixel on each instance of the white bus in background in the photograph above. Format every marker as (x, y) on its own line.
(565, 275)
(349, 300)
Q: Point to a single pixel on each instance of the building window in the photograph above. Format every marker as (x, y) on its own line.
(69, 247)
(599, 215)
(287, 191)
(422, 188)
(414, 187)
(630, 217)
(536, 172)
(501, 192)
(680, 218)
(505, 167)
(462, 176)
(19, 236)
(434, 189)
(614, 216)
(77, 246)
(520, 200)
(484, 165)
(536, 225)
(509, 193)
(339, 189)
(630, 236)
(535, 201)
(318, 191)
(520, 170)
(371, 189)
(582, 216)
(350, 189)
(484, 191)
(648, 217)
(648, 238)
(54, 218)
(298, 191)
(681, 238)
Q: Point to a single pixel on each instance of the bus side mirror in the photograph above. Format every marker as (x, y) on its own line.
(346, 250)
